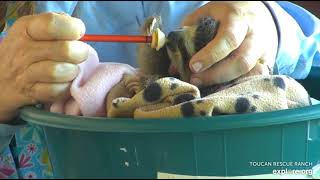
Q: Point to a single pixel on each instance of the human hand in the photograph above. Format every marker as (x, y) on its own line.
(247, 36)
(39, 60)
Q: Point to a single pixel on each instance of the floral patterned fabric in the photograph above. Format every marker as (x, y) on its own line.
(27, 157)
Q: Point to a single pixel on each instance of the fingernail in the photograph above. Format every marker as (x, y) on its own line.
(82, 32)
(196, 81)
(64, 68)
(78, 51)
(197, 67)
(83, 29)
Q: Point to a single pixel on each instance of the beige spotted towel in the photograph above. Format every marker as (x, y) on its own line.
(171, 98)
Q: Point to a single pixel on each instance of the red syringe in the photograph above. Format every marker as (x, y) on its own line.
(117, 38)
(157, 40)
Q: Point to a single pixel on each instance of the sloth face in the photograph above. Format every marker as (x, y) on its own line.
(183, 43)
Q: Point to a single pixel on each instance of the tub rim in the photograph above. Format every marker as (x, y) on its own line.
(194, 124)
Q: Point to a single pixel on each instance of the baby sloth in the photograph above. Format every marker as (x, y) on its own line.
(181, 44)
(173, 58)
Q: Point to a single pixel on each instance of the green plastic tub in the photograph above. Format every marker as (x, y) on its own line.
(222, 146)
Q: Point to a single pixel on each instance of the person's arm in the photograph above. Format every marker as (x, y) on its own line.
(6, 131)
(26, 74)
(9, 127)
(299, 39)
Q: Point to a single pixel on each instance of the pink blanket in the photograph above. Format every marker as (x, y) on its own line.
(90, 88)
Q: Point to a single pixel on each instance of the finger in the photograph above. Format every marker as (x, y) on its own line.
(54, 26)
(217, 10)
(51, 72)
(192, 19)
(240, 62)
(49, 92)
(230, 35)
(63, 51)
(259, 69)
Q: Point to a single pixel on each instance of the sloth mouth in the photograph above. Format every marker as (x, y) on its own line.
(173, 70)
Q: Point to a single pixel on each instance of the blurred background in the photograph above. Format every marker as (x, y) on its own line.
(312, 6)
